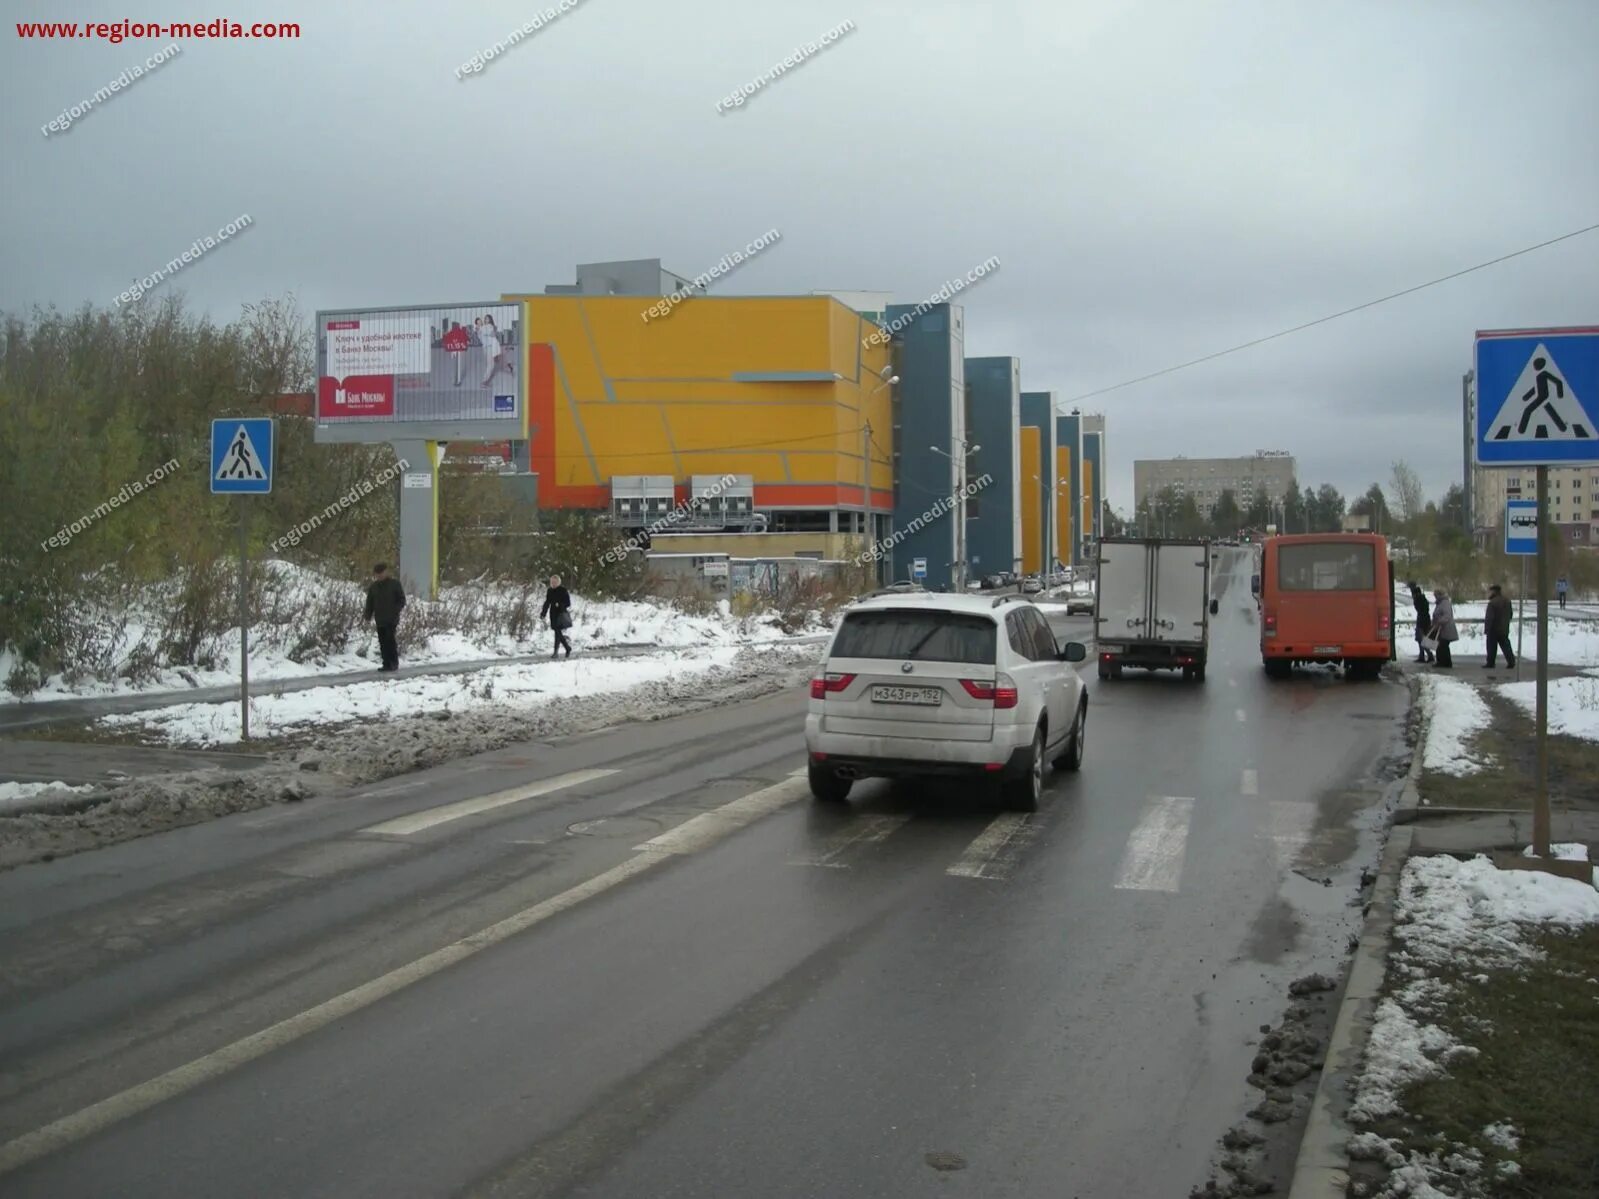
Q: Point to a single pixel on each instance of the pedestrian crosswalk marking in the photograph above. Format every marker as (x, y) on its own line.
(994, 852)
(1250, 784)
(863, 830)
(1541, 405)
(1288, 827)
(241, 461)
(404, 826)
(1153, 860)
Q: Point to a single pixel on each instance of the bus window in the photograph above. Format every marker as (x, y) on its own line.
(1330, 566)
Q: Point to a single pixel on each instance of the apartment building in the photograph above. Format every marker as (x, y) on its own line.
(1573, 498)
(1266, 473)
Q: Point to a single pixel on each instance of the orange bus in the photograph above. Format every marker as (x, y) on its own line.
(1326, 598)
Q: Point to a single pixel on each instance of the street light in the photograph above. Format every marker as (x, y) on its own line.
(967, 450)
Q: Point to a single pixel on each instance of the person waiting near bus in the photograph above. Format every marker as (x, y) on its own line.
(1496, 627)
(1443, 628)
(1418, 599)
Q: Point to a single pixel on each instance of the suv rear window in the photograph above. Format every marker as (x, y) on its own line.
(1332, 566)
(916, 636)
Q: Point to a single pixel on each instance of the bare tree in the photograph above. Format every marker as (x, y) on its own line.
(1408, 500)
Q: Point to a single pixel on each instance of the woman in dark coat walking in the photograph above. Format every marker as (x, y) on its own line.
(1423, 620)
(558, 608)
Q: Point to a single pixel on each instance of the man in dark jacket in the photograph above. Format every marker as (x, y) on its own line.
(558, 607)
(1423, 620)
(384, 599)
(1496, 627)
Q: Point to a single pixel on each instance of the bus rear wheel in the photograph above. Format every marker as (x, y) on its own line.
(1278, 668)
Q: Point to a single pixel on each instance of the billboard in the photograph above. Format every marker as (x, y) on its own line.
(443, 372)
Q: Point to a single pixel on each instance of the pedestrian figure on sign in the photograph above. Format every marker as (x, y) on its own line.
(1538, 396)
(384, 600)
(1418, 598)
(558, 608)
(1562, 585)
(1496, 627)
(1443, 628)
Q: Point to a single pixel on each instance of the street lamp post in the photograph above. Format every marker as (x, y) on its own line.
(967, 450)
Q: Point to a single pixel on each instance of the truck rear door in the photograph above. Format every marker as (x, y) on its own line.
(1123, 608)
(1180, 593)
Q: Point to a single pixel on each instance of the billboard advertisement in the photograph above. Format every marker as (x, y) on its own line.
(421, 368)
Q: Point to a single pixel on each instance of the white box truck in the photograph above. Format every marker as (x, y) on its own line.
(1154, 606)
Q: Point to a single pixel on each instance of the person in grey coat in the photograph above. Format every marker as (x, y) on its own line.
(1443, 627)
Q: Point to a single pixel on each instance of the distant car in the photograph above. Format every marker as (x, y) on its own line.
(1080, 602)
(993, 581)
(957, 685)
(1031, 585)
(974, 584)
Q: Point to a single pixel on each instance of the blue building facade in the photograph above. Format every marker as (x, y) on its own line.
(993, 515)
(929, 410)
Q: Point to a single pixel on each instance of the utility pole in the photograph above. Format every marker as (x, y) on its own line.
(866, 485)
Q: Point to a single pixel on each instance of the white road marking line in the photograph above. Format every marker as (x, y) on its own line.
(405, 825)
(1241, 716)
(863, 830)
(994, 851)
(65, 1131)
(1250, 784)
(1154, 857)
(710, 827)
(794, 774)
(397, 790)
(1289, 826)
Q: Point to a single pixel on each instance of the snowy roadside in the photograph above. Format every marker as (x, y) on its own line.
(1455, 713)
(1573, 704)
(1476, 950)
(367, 751)
(523, 686)
(315, 636)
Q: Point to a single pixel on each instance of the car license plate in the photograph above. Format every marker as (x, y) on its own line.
(927, 696)
(1329, 649)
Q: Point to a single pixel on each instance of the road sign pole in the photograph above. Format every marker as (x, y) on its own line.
(244, 618)
(1540, 798)
(1521, 617)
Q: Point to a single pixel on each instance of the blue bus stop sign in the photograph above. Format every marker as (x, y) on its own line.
(1521, 526)
(1537, 396)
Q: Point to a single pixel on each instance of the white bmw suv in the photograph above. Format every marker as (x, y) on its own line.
(944, 684)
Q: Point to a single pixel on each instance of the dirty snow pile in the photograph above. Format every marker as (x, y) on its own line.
(15, 795)
(1449, 911)
(1573, 704)
(1455, 714)
(523, 686)
(364, 752)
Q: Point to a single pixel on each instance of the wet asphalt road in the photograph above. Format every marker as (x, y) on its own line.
(907, 996)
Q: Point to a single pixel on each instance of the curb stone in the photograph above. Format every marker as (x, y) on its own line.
(1410, 794)
(1322, 1168)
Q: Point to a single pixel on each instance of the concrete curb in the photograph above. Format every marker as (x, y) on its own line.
(1410, 794)
(1322, 1168)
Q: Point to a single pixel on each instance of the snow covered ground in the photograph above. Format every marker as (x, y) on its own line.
(1573, 703)
(520, 685)
(597, 624)
(1450, 911)
(1455, 713)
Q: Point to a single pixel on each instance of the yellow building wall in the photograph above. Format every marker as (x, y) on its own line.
(1032, 501)
(626, 396)
(832, 546)
(1063, 505)
(1088, 499)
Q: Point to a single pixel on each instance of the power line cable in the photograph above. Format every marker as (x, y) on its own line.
(1334, 316)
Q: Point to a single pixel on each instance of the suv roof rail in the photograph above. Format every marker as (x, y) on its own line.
(895, 591)
(1010, 599)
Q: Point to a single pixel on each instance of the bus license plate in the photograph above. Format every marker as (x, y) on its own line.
(1329, 649)
(929, 697)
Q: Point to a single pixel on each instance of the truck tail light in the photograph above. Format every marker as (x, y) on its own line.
(1002, 691)
(824, 684)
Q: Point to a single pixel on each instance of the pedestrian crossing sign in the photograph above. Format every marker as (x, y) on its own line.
(241, 455)
(1537, 395)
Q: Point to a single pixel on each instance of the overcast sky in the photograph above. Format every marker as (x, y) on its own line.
(1159, 179)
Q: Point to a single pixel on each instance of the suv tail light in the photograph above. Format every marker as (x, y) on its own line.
(1002, 691)
(823, 684)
